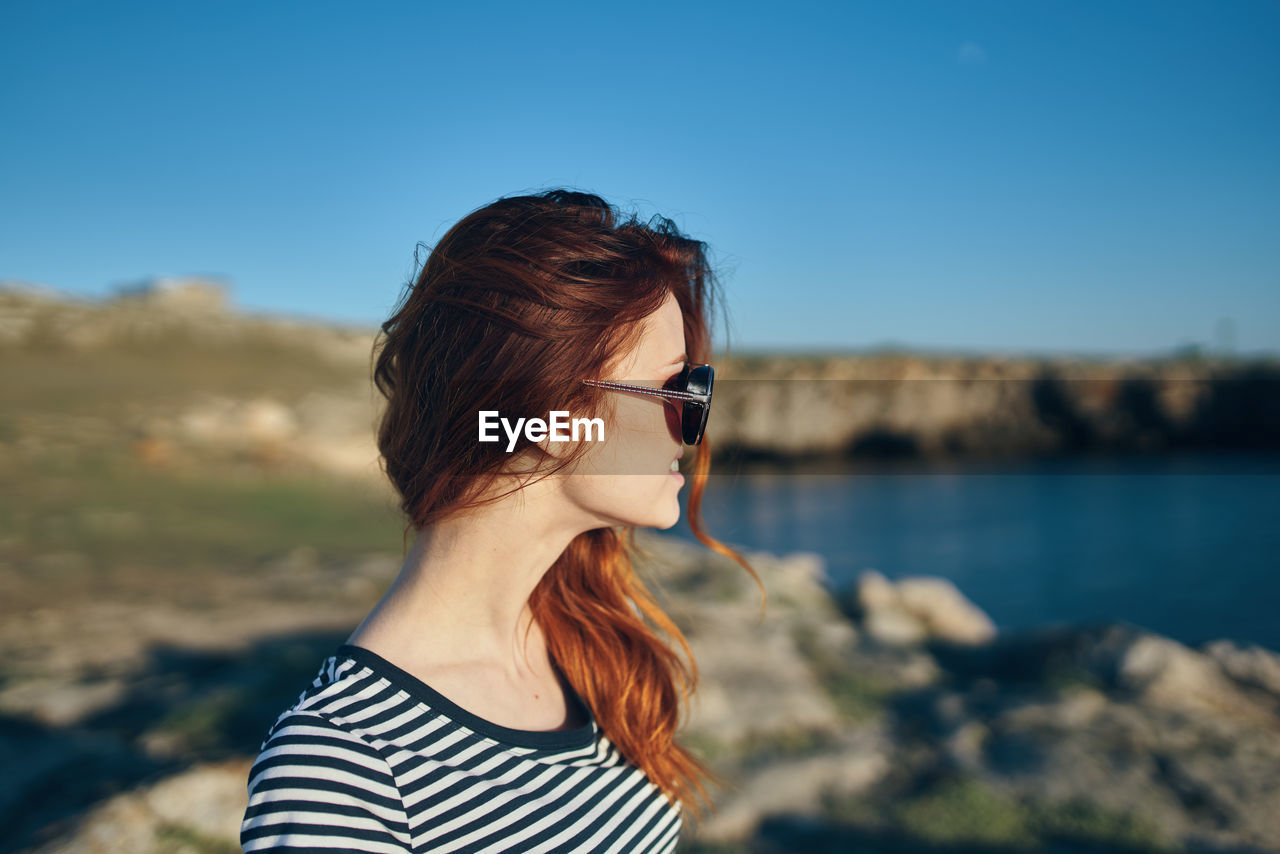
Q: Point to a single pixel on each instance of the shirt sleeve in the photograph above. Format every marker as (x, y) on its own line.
(317, 786)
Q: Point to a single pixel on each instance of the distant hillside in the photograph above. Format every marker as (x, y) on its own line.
(169, 370)
(161, 312)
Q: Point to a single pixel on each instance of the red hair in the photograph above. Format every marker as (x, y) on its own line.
(517, 302)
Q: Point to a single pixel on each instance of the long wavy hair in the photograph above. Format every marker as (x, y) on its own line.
(517, 302)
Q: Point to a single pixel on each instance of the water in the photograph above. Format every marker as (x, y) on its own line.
(1184, 545)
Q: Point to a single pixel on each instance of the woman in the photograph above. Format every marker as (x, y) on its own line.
(507, 694)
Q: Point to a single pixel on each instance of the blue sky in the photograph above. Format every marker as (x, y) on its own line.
(1048, 177)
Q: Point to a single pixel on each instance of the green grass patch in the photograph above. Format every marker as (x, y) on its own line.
(98, 509)
(170, 369)
(965, 813)
(708, 582)
(177, 838)
(759, 747)
(203, 724)
(707, 748)
(1081, 821)
(1068, 678)
(765, 746)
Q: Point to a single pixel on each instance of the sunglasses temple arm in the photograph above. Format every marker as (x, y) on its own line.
(667, 393)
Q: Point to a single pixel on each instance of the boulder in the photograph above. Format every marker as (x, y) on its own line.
(945, 611)
(1248, 664)
(919, 608)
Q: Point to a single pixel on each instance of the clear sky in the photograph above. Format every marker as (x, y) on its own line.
(1087, 177)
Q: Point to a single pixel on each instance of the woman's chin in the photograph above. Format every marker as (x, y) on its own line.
(670, 519)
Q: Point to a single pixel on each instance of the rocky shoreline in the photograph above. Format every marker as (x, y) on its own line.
(1165, 746)
(892, 718)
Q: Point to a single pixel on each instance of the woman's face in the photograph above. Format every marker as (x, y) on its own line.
(627, 479)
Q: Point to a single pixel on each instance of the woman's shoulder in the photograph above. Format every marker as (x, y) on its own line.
(318, 778)
(334, 690)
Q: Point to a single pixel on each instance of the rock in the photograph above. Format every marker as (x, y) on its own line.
(752, 678)
(1167, 673)
(875, 592)
(209, 799)
(894, 627)
(883, 618)
(794, 786)
(1203, 777)
(1249, 664)
(802, 576)
(263, 419)
(965, 744)
(58, 703)
(1076, 709)
(945, 611)
(918, 608)
(204, 805)
(835, 637)
(918, 670)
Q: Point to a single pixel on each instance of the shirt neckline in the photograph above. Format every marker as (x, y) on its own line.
(561, 739)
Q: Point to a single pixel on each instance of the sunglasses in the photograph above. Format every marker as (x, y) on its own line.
(692, 387)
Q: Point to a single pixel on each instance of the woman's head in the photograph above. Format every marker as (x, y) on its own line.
(519, 303)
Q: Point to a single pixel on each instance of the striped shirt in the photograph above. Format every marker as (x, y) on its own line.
(371, 758)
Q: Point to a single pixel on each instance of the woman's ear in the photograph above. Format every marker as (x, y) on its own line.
(540, 455)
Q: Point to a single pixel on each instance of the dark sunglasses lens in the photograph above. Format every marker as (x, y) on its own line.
(675, 421)
(693, 422)
(698, 379)
(693, 416)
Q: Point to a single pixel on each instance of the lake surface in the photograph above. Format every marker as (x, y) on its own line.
(1185, 545)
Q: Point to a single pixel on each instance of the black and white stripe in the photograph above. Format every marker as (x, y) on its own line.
(372, 759)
